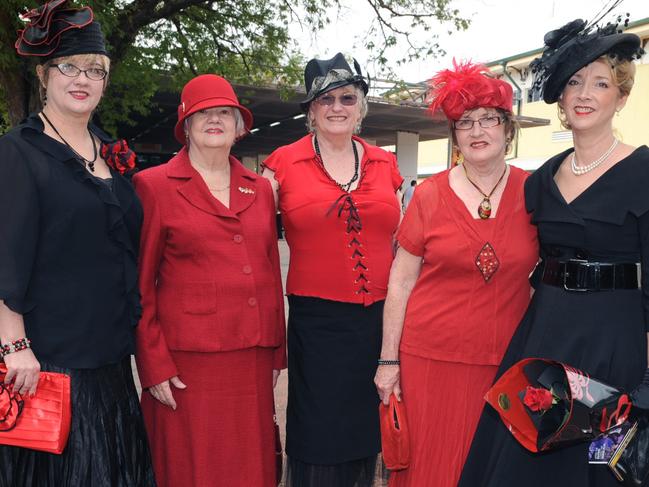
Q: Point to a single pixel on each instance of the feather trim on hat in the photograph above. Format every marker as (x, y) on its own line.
(467, 86)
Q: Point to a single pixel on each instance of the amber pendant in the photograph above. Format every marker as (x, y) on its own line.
(484, 210)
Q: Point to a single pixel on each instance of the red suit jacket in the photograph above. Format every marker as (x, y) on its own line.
(209, 275)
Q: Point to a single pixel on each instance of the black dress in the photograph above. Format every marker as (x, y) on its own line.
(68, 265)
(602, 333)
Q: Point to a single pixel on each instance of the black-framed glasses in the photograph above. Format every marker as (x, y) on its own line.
(484, 122)
(72, 71)
(348, 100)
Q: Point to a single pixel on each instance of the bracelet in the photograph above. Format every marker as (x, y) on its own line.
(389, 362)
(15, 346)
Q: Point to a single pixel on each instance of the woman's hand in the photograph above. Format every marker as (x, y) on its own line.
(275, 377)
(23, 369)
(163, 393)
(387, 382)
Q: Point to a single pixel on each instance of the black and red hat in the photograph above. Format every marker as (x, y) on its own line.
(53, 31)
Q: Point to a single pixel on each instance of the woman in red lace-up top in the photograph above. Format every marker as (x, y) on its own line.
(337, 196)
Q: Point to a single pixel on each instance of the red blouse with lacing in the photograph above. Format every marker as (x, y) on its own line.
(340, 242)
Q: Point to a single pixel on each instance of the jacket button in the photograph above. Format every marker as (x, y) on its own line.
(238, 238)
(247, 269)
(252, 301)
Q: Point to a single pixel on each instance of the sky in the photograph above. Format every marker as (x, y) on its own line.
(499, 29)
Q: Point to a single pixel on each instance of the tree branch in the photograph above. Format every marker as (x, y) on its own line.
(139, 14)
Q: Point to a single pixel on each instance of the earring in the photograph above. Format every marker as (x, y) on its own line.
(45, 97)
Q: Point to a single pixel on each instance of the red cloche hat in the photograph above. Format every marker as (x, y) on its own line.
(466, 87)
(207, 91)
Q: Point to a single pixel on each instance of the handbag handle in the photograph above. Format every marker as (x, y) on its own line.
(395, 413)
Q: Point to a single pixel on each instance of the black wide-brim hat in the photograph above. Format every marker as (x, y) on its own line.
(322, 75)
(574, 46)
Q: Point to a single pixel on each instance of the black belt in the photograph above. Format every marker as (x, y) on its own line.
(582, 275)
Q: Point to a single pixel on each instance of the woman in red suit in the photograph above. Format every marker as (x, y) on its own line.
(211, 341)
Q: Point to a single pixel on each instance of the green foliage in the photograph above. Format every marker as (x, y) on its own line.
(164, 43)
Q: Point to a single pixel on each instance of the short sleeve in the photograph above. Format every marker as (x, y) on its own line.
(411, 231)
(274, 163)
(397, 179)
(19, 225)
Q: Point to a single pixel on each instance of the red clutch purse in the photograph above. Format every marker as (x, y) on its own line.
(41, 422)
(394, 434)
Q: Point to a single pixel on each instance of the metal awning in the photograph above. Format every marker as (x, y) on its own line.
(278, 121)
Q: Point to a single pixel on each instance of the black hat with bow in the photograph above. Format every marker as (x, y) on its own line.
(322, 75)
(576, 45)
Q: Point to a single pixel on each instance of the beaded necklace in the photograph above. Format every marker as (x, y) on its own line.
(347, 186)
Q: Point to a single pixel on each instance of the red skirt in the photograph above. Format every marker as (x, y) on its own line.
(222, 431)
(443, 403)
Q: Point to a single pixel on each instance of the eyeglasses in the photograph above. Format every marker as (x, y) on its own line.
(347, 100)
(72, 71)
(485, 123)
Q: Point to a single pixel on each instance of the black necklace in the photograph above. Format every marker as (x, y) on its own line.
(345, 187)
(91, 164)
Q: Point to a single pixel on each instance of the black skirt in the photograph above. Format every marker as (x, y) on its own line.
(600, 333)
(107, 446)
(332, 414)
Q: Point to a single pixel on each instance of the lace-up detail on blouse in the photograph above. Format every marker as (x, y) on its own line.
(340, 241)
(348, 210)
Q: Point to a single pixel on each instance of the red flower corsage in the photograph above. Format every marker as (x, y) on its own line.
(11, 405)
(118, 156)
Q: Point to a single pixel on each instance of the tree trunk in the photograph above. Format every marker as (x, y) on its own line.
(18, 95)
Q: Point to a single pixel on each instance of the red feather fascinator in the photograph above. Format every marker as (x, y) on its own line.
(466, 87)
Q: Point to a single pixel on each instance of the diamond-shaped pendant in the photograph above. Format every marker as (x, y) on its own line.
(487, 262)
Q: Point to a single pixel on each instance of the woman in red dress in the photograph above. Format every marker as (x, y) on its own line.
(211, 340)
(459, 282)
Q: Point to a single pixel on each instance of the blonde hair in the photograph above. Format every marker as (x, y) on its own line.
(43, 70)
(622, 75)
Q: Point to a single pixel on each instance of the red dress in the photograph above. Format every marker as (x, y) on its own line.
(213, 314)
(471, 293)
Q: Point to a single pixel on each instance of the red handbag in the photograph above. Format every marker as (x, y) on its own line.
(394, 434)
(41, 422)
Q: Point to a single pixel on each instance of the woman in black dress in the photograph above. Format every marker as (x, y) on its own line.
(591, 206)
(69, 226)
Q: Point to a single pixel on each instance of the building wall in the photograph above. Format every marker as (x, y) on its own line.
(630, 125)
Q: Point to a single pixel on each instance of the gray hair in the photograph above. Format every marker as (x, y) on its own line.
(362, 99)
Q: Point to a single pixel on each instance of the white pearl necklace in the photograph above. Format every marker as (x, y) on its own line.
(579, 170)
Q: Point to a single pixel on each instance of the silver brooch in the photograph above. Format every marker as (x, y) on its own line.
(246, 190)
